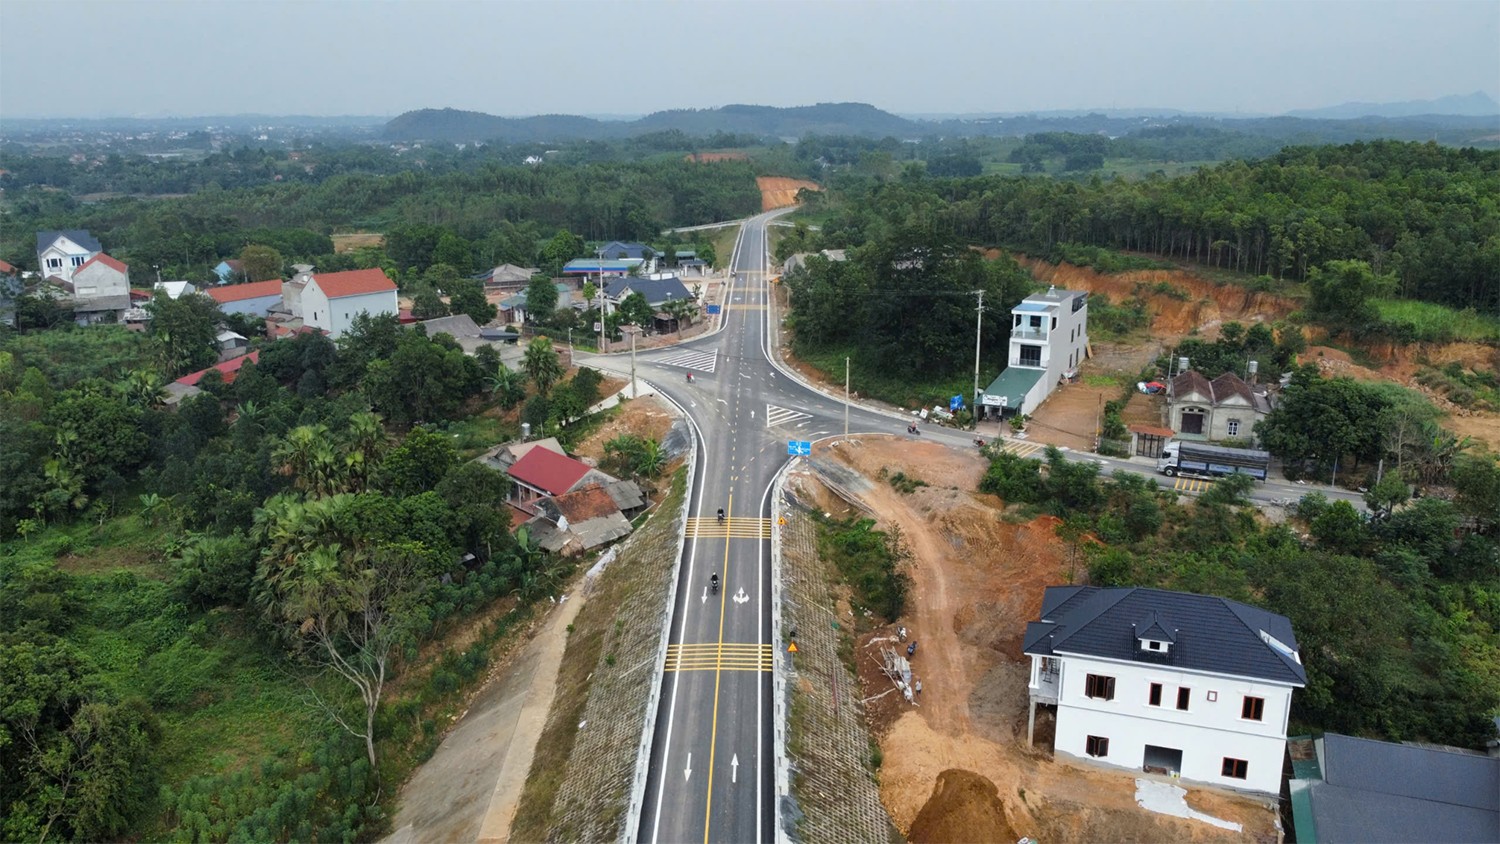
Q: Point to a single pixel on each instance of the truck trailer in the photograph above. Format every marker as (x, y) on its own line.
(1211, 461)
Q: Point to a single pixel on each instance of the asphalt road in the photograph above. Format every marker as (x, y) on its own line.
(711, 769)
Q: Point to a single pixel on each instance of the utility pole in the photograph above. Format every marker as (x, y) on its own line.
(978, 328)
(632, 361)
(846, 398)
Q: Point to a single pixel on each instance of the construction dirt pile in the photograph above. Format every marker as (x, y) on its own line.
(963, 807)
(779, 191)
(955, 764)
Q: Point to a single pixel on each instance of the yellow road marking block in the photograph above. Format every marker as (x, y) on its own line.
(711, 656)
(1191, 485)
(709, 527)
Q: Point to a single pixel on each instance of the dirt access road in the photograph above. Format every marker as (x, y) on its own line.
(977, 579)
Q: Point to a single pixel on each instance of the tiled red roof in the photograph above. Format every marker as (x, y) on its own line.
(240, 292)
(228, 369)
(138, 295)
(548, 471)
(6, 268)
(353, 283)
(107, 261)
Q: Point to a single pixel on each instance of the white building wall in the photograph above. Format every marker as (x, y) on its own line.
(100, 280)
(345, 309)
(1206, 733)
(315, 310)
(1063, 349)
(70, 255)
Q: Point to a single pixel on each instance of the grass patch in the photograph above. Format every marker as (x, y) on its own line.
(1426, 322)
(901, 482)
(885, 386)
(1464, 387)
(474, 435)
(871, 561)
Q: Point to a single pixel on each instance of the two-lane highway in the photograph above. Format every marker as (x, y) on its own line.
(710, 774)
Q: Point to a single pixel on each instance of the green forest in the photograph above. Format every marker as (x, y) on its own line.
(1424, 218)
(211, 616)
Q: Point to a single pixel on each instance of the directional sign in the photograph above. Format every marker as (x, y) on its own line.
(791, 648)
(713, 309)
(798, 447)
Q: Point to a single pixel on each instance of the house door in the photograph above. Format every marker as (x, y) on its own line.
(1162, 760)
(1192, 420)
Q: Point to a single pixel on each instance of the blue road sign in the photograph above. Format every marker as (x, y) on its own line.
(798, 447)
(713, 309)
(955, 403)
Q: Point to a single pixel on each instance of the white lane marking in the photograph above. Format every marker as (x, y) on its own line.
(734, 774)
(740, 597)
(692, 359)
(783, 416)
(687, 772)
(705, 594)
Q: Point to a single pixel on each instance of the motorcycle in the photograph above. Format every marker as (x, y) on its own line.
(721, 515)
(913, 429)
(713, 583)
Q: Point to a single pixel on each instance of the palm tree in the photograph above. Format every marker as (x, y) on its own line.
(365, 444)
(307, 455)
(650, 460)
(682, 310)
(507, 385)
(542, 365)
(144, 388)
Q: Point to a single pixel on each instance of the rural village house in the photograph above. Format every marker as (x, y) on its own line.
(331, 301)
(1167, 682)
(1226, 408)
(1049, 338)
(255, 299)
(101, 290)
(60, 254)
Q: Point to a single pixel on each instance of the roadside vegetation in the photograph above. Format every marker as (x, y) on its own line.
(231, 619)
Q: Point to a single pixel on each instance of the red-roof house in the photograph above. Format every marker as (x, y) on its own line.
(545, 472)
(256, 298)
(7, 269)
(331, 301)
(228, 369)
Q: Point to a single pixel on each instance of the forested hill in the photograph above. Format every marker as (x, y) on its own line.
(860, 119)
(825, 118)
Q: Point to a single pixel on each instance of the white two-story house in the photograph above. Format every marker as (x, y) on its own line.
(59, 254)
(331, 301)
(1049, 338)
(1167, 682)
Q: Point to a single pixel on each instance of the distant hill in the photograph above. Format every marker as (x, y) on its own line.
(825, 119)
(451, 125)
(1477, 104)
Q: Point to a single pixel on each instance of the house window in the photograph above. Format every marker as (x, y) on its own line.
(1054, 324)
(1192, 420)
(1235, 768)
(1234, 427)
(1253, 708)
(1099, 686)
(1153, 645)
(1182, 698)
(54, 263)
(77, 260)
(1213, 696)
(1155, 698)
(1097, 746)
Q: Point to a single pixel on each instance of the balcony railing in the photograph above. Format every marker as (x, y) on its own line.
(1022, 333)
(1035, 363)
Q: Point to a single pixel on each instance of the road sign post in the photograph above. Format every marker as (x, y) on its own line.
(798, 447)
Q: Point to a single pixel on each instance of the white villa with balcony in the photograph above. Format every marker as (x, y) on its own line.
(1171, 683)
(1049, 338)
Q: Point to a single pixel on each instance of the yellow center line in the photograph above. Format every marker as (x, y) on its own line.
(713, 735)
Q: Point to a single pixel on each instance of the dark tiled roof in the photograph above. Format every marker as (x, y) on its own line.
(620, 249)
(656, 290)
(1375, 791)
(1210, 634)
(1191, 382)
(1229, 384)
(78, 236)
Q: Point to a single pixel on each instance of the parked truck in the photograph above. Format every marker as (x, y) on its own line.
(1211, 461)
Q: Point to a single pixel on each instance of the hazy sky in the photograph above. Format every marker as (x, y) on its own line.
(198, 57)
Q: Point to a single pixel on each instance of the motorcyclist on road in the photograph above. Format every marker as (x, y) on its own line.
(690, 377)
(713, 581)
(721, 514)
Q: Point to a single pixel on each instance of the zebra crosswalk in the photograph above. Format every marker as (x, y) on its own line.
(728, 656)
(1022, 449)
(692, 359)
(783, 416)
(737, 527)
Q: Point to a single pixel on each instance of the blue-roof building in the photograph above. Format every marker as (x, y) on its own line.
(619, 249)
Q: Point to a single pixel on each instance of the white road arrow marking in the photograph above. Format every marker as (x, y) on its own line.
(705, 594)
(734, 765)
(740, 597)
(688, 771)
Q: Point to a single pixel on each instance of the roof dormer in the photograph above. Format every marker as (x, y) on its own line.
(1153, 637)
